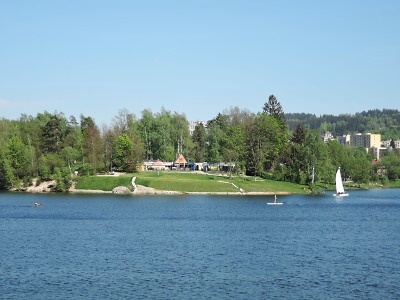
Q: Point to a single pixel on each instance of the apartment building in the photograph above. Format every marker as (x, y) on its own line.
(367, 140)
(386, 144)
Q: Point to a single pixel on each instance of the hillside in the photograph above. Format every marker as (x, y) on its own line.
(386, 122)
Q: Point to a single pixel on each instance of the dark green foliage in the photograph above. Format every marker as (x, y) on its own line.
(299, 135)
(199, 143)
(53, 133)
(386, 122)
(274, 109)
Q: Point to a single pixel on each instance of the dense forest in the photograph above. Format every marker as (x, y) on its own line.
(270, 144)
(386, 122)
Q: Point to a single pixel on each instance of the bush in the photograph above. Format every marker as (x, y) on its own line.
(63, 179)
(86, 170)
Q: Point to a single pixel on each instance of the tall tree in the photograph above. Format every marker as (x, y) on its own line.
(7, 176)
(199, 141)
(360, 166)
(234, 147)
(147, 129)
(123, 121)
(274, 109)
(92, 143)
(53, 133)
(19, 155)
(215, 135)
(316, 165)
(263, 142)
(123, 153)
(180, 133)
(166, 131)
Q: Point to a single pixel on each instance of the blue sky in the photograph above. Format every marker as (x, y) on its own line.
(197, 57)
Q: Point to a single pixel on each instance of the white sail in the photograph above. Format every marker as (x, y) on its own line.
(339, 185)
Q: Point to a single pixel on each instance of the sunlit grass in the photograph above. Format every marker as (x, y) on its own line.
(190, 182)
(193, 182)
(103, 183)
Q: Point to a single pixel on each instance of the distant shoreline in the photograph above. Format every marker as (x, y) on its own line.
(45, 187)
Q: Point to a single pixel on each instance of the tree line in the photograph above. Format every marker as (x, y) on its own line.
(385, 122)
(51, 146)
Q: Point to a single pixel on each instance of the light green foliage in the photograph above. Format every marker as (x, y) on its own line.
(123, 152)
(18, 154)
(265, 143)
(63, 179)
(92, 143)
(128, 153)
(214, 141)
(7, 176)
(389, 166)
(164, 135)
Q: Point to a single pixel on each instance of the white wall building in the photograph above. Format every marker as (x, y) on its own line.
(327, 136)
(386, 144)
(193, 124)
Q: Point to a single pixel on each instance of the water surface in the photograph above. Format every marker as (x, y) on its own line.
(200, 247)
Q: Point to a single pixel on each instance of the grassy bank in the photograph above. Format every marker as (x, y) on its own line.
(190, 182)
(103, 183)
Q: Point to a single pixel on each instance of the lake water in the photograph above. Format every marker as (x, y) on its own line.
(200, 247)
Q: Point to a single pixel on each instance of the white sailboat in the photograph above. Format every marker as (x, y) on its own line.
(339, 185)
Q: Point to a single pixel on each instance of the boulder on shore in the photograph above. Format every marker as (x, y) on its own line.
(121, 190)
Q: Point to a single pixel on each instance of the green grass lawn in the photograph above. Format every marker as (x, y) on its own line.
(210, 183)
(104, 183)
(184, 182)
(189, 182)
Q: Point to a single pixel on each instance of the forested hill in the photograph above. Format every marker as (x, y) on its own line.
(385, 122)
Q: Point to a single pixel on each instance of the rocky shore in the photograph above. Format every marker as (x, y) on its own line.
(46, 187)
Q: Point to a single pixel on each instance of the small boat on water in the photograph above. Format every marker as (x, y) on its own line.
(275, 202)
(339, 185)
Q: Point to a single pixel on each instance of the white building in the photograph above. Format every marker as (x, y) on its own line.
(193, 124)
(344, 140)
(327, 136)
(386, 144)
